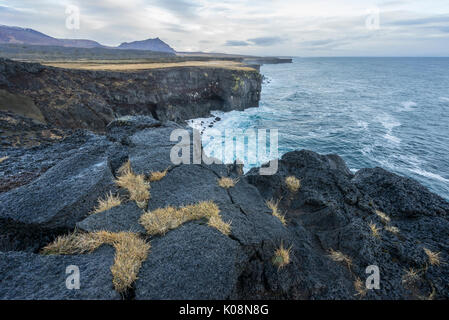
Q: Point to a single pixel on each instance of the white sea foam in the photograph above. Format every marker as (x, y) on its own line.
(428, 174)
(392, 138)
(389, 123)
(408, 105)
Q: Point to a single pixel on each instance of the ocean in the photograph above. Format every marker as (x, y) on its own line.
(373, 112)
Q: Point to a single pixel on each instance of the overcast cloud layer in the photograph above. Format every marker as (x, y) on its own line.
(276, 27)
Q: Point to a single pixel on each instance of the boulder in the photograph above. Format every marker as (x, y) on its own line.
(193, 262)
(125, 126)
(59, 198)
(399, 196)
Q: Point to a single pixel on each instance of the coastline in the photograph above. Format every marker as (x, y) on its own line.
(332, 225)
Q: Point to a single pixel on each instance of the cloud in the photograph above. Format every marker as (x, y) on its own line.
(422, 21)
(317, 43)
(266, 41)
(287, 27)
(236, 43)
(182, 8)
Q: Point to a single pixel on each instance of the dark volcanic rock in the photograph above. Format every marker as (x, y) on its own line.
(191, 262)
(398, 195)
(26, 164)
(28, 276)
(60, 197)
(125, 126)
(91, 99)
(122, 218)
(333, 210)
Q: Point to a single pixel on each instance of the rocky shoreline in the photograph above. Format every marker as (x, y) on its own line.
(86, 182)
(336, 225)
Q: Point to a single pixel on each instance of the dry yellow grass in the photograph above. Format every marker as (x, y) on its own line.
(392, 229)
(218, 223)
(160, 221)
(273, 205)
(137, 188)
(282, 256)
(233, 65)
(74, 243)
(227, 183)
(130, 252)
(107, 203)
(360, 287)
(375, 231)
(3, 159)
(434, 257)
(338, 256)
(385, 218)
(157, 175)
(293, 184)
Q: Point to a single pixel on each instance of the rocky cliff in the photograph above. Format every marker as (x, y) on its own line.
(194, 237)
(66, 98)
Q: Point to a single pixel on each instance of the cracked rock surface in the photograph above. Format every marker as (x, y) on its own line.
(334, 210)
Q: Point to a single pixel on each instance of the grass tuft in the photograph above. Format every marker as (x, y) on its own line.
(218, 223)
(375, 231)
(137, 188)
(339, 256)
(293, 184)
(160, 221)
(282, 257)
(3, 159)
(434, 257)
(392, 229)
(410, 278)
(157, 175)
(383, 216)
(107, 203)
(360, 287)
(227, 183)
(74, 243)
(274, 207)
(130, 252)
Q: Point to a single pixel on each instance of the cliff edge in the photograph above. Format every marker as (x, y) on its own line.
(71, 99)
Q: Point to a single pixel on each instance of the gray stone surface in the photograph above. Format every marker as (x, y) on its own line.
(332, 210)
(63, 195)
(28, 276)
(191, 262)
(122, 218)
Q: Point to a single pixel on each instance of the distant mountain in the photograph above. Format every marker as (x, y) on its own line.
(17, 35)
(149, 44)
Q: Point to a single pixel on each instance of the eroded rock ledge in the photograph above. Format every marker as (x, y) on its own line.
(334, 211)
(72, 99)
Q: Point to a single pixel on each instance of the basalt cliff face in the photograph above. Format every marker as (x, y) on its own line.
(70, 99)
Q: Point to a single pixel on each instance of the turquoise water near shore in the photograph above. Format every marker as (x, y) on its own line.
(386, 112)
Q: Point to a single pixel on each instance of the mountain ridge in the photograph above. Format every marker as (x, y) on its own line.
(155, 44)
(28, 36)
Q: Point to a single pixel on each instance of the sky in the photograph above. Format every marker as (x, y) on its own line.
(262, 27)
